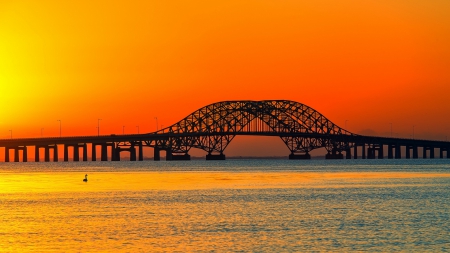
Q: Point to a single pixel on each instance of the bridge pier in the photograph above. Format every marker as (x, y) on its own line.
(370, 153)
(16, 154)
(156, 154)
(131, 149)
(114, 155)
(55, 153)
(132, 153)
(363, 151)
(215, 157)
(76, 152)
(104, 155)
(85, 152)
(390, 151)
(94, 151)
(183, 157)
(66, 153)
(47, 154)
(398, 151)
(335, 154)
(380, 152)
(355, 151)
(169, 155)
(141, 152)
(348, 154)
(415, 152)
(408, 154)
(305, 156)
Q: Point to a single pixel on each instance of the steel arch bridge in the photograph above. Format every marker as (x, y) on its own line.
(213, 127)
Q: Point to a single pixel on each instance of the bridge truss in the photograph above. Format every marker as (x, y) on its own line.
(213, 127)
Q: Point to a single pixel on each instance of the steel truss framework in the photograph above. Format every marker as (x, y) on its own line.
(214, 126)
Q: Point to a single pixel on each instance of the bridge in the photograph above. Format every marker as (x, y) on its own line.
(213, 127)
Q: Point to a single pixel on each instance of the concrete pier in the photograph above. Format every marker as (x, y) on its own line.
(183, 157)
(215, 157)
(305, 156)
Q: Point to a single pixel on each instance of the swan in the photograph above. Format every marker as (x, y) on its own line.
(85, 178)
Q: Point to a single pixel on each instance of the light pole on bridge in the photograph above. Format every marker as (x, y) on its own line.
(156, 118)
(98, 126)
(59, 127)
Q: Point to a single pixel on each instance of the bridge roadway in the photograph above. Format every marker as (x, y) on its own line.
(359, 146)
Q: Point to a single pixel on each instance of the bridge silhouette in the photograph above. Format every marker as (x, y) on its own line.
(213, 127)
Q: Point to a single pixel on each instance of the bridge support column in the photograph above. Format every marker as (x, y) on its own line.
(348, 154)
(47, 154)
(448, 153)
(141, 152)
(85, 155)
(132, 153)
(36, 153)
(25, 154)
(334, 155)
(104, 152)
(370, 152)
(415, 152)
(441, 153)
(355, 151)
(94, 152)
(16, 155)
(424, 152)
(380, 152)
(398, 151)
(408, 153)
(305, 156)
(66, 153)
(431, 152)
(55, 153)
(215, 157)
(363, 151)
(168, 155)
(156, 155)
(76, 153)
(390, 151)
(184, 157)
(7, 154)
(116, 154)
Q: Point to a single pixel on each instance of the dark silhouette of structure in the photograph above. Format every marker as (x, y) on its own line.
(214, 126)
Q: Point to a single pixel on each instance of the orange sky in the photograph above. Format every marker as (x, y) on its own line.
(371, 63)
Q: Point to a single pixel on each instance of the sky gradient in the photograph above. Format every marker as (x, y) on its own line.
(366, 65)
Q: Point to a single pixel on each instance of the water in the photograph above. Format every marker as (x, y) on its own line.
(226, 206)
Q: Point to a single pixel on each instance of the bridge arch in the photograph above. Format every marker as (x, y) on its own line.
(214, 126)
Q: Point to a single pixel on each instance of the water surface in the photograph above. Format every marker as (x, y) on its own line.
(223, 206)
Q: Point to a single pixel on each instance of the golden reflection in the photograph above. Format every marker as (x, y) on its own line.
(132, 181)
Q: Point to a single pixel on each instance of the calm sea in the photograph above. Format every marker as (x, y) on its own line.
(226, 206)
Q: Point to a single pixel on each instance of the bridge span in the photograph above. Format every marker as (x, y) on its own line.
(213, 127)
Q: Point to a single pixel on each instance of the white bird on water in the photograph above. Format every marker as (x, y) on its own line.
(85, 178)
